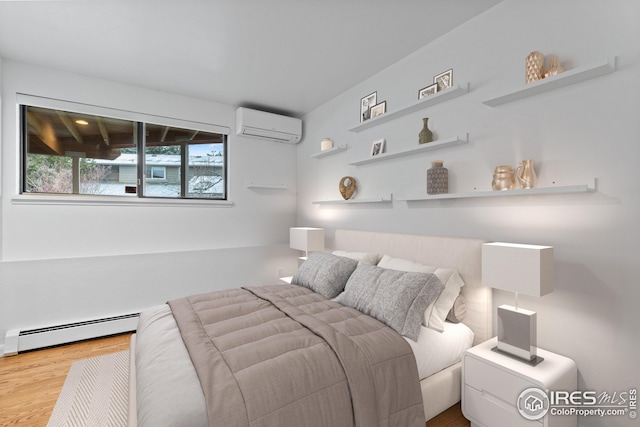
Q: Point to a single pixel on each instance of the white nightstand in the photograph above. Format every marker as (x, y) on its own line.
(492, 383)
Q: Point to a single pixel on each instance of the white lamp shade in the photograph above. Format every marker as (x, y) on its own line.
(525, 269)
(306, 238)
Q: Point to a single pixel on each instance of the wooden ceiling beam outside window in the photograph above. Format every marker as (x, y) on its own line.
(71, 127)
(103, 130)
(165, 131)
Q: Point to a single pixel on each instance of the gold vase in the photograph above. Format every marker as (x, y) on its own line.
(534, 66)
(526, 174)
(503, 178)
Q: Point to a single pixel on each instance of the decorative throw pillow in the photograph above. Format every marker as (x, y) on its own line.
(436, 314)
(396, 298)
(366, 257)
(458, 311)
(324, 273)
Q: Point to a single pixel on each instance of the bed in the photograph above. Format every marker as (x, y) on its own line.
(163, 370)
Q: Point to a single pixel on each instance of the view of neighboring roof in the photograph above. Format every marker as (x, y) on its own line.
(164, 160)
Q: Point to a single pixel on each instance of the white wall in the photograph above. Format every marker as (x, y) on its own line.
(68, 262)
(575, 134)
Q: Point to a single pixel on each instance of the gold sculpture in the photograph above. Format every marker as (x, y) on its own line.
(347, 187)
(554, 67)
(534, 66)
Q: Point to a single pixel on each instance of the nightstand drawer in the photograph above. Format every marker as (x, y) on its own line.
(489, 411)
(487, 378)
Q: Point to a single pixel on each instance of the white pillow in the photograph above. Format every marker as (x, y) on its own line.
(436, 314)
(365, 257)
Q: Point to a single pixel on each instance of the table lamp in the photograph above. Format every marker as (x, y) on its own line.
(526, 269)
(306, 239)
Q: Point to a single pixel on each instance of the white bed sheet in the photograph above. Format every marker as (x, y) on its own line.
(168, 391)
(436, 351)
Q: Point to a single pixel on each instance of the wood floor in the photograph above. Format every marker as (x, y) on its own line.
(30, 383)
(452, 417)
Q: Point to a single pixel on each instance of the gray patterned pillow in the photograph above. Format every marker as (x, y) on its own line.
(396, 298)
(324, 273)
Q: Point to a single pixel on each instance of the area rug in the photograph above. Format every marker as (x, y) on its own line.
(95, 393)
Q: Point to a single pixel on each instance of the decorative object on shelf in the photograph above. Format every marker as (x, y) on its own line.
(437, 178)
(527, 269)
(425, 134)
(377, 147)
(365, 106)
(503, 178)
(534, 66)
(326, 144)
(554, 67)
(429, 90)
(574, 76)
(306, 239)
(347, 187)
(444, 80)
(526, 174)
(417, 105)
(379, 109)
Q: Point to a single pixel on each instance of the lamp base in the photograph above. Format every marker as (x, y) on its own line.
(533, 362)
(517, 334)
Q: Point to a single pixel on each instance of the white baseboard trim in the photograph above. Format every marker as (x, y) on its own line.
(10, 347)
(17, 340)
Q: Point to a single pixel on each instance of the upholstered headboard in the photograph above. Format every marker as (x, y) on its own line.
(461, 254)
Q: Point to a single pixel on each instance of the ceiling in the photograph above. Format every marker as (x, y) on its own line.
(285, 56)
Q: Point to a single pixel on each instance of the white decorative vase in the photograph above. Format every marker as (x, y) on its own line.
(326, 144)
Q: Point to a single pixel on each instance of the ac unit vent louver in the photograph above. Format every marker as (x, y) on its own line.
(268, 126)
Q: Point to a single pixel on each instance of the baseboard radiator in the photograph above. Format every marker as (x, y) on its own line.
(18, 341)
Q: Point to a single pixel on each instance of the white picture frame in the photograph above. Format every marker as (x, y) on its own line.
(444, 80)
(365, 106)
(377, 147)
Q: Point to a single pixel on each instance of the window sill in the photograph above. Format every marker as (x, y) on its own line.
(116, 201)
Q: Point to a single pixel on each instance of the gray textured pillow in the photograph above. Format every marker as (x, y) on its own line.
(396, 298)
(324, 273)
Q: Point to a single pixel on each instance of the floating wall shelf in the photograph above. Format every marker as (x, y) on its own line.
(550, 83)
(580, 188)
(429, 101)
(329, 152)
(266, 186)
(386, 199)
(442, 143)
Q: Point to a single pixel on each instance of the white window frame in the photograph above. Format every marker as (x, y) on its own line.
(76, 199)
(157, 168)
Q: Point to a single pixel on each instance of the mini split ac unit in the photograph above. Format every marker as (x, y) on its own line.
(269, 126)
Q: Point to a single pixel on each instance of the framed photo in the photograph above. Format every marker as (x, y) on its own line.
(365, 106)
(377, 147)
(444, 80)
(378, 109)
(429, 90)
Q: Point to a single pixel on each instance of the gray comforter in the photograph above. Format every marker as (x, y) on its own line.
(285, 356)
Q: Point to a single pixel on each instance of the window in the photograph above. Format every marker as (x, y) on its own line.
(72, 153)
(158, 172)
